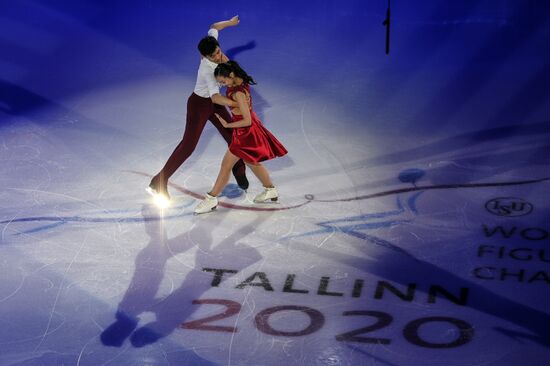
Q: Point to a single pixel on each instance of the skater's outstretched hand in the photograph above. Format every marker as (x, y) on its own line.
(223, 121)
(235, 20)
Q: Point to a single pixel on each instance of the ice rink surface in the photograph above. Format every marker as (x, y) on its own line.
(413, 226)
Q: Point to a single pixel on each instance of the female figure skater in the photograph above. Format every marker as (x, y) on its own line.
(251, 141)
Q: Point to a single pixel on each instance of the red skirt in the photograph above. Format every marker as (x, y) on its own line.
(255, 143)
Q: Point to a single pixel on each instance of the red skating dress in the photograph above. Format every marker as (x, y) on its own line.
(253, 143)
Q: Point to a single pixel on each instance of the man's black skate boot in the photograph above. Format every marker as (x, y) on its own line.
(242, 181)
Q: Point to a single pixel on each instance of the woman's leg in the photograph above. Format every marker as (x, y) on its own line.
(229, 160)
(261, 173)
(270, 192)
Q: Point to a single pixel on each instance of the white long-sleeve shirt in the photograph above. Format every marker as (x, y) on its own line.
(206, 85)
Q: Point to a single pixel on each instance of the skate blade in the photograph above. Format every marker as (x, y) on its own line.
(202, 213)
(270, 201)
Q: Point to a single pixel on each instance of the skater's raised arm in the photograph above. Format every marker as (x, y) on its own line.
(226, 23)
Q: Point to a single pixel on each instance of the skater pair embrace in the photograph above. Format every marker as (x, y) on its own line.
(249, 141)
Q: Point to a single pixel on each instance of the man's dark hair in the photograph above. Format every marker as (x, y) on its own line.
(207, 45)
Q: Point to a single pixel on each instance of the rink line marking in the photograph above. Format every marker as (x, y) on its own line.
(425, 188)
(118, 220)
(309, 198)
(221, 203)
(60, 220)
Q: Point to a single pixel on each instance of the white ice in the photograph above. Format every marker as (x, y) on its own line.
(395, 219)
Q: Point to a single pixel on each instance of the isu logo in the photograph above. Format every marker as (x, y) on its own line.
(509, 206)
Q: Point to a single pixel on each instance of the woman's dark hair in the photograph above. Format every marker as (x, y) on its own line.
(233, 67)
(207, 45)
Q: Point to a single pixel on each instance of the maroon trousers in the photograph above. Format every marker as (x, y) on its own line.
(199, 110)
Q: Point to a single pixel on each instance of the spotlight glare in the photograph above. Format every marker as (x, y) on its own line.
(160, 200)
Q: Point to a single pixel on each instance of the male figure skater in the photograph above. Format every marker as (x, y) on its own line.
(203, 104)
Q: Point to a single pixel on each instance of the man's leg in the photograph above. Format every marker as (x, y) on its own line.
(239, 169)
(198, 111)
